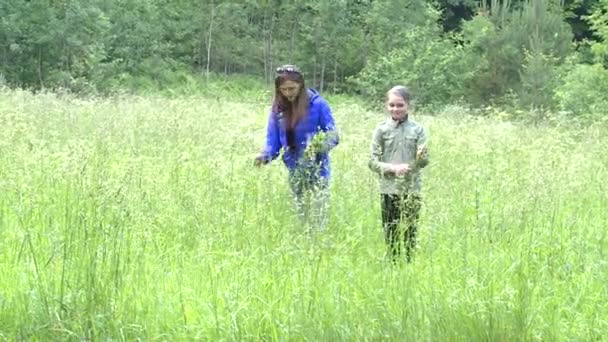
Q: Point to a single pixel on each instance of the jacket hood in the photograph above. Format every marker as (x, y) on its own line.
(313, 95)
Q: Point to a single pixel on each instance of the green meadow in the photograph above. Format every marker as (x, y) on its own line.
(142, 218)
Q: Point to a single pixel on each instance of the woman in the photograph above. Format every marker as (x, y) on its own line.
(398, 153)
(301, 124)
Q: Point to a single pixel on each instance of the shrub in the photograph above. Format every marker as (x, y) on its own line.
(584, 91)
(433, 67)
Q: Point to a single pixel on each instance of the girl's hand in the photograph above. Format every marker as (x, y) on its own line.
(401, 169)
(421, 152)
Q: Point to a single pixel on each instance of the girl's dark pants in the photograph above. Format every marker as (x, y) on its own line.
(399, 218)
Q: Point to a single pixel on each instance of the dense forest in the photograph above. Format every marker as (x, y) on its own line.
(545, 55)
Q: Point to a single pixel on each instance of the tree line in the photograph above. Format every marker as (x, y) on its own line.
(543, 54)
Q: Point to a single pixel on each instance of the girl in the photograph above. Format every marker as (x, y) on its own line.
(398, 153)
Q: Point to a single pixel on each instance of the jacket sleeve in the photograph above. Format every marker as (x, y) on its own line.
(377, 150)
(328, 126)
(273, 143)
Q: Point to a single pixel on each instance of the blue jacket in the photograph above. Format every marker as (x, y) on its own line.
(319, 119)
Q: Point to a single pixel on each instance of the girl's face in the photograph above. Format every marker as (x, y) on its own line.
(396, 106)
(290, 90)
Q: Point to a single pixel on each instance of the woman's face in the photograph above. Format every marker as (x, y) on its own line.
(290, 90)
(396, 106)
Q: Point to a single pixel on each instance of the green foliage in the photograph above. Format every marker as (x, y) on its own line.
(323, 29)
(133, 40)
(598, 21)
(512, 45)
(583, 87)
(455, 11)
(539, 78)
(511, 55)
(508, 53)
(584, 91)
(434, 68)
(60, 42)
(478, 35)
(388, 21)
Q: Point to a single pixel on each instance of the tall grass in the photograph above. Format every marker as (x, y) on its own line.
(132, 217)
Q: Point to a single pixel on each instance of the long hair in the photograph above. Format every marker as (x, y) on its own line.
(292, 111)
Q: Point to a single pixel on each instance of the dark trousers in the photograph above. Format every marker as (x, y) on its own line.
(399, 219)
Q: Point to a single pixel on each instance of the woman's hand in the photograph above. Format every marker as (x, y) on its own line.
(259, 161)
(315, 146)
(310, 153)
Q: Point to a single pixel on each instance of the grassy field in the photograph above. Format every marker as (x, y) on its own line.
(130, 218)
